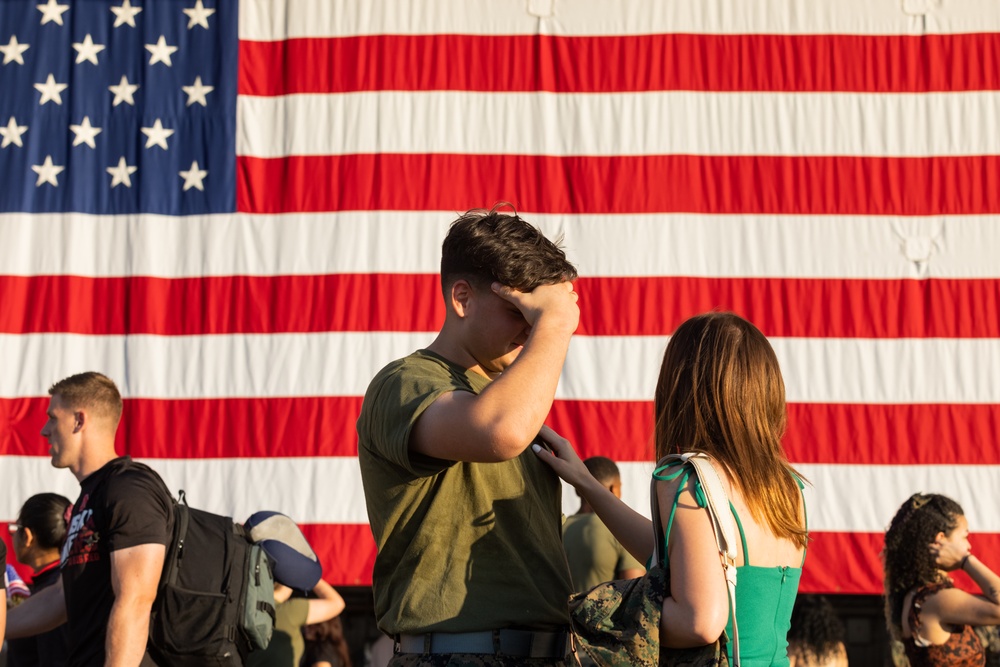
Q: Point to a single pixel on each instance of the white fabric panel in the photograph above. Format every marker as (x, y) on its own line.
(777, 246)
(276, 19)
(841, 497)
(831, 370)
(848, 370)
(648, 123)
(856, 498)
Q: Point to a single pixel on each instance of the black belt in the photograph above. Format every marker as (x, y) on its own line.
(519, 643)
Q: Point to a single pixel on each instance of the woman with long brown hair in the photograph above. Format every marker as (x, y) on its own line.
(927, 539)
(719, 392)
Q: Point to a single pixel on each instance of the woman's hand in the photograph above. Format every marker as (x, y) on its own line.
(949, 554)
(563, 459)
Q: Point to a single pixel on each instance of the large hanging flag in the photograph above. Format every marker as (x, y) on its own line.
(235, 211)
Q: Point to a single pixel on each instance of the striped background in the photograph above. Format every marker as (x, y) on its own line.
(829, 169)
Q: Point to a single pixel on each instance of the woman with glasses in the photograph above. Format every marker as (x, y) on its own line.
(38, 537)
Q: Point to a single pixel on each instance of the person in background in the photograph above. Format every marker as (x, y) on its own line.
(118, 533)
(3, 587)
(816, 637)
(292, 615)
(593, 553)
(325, 645)
(38, 538)
(927, 539)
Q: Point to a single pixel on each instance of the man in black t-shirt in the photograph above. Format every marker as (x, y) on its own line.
(118, 533)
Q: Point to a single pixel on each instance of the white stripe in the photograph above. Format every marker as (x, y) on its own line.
(776, 246)
(852, 498)
(280, 19)
(849, 370)
(857, 498)
(649, 123)
(815, 370)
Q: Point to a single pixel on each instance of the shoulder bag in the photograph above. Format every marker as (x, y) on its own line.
(617, 623)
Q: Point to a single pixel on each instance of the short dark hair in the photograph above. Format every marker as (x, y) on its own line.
(602, 469)
(45, 515)
(816, 633)
(484, 247)
(91, 390)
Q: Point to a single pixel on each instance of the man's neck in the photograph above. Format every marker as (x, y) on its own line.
(94, 460)
(446, 345)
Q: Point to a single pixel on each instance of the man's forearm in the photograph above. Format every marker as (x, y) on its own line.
(128, 630)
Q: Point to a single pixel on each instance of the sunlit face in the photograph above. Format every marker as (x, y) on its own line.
(496, 331)
(62, 434)
(960, 535)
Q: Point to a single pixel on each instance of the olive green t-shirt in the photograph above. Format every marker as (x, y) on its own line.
(462, 547)
(287, 643)
(593, 553)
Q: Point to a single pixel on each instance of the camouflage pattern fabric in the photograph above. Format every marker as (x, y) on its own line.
(470, 660)
(617, 624)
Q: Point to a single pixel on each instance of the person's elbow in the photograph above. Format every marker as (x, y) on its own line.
(696, 624)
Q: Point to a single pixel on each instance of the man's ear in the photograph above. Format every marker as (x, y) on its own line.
(80, 418)
(616, 488)
(27, 537)
(461, 296)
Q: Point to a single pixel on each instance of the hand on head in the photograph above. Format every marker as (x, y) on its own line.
(948, 554)
(555, 303)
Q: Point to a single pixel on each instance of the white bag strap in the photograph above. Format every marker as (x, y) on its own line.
(722, 523)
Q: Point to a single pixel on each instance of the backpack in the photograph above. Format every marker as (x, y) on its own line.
(215, 602)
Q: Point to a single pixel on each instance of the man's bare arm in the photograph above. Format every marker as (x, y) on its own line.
(43, 611)
(135, 575)
(499, 423)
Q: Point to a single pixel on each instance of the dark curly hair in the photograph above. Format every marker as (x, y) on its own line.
(907, 556)
(816, 633)
(492, 246)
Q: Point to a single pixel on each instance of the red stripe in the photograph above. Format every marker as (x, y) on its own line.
(646, 306)
(622, 430)
(849, 563)
(622, 184)
(347, 552)
(220, 305)
(960, 434)
(605, 64)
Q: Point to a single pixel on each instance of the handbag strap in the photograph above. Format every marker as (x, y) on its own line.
(722, 523)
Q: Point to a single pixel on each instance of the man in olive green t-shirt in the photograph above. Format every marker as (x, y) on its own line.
(593, 553)
(470, 566)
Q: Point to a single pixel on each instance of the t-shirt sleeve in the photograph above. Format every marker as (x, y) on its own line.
(138, 510)
(394, 402)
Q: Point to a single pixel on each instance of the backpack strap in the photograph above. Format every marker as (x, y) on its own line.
(717, 503)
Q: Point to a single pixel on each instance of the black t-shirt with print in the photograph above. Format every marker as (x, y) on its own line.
(124, 504)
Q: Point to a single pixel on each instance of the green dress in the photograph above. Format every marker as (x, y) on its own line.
(764, 595)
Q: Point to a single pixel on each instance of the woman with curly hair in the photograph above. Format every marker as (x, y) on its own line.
(927, 539)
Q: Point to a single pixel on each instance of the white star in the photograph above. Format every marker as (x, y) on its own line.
(193, 177)
(12, 52)
(87, 50)
(198, 15)
(121, 173)
(161, 52)
(85, 133)
(12, 133)
(50, 90)
(125, 14)
(157, 135)
(123, 92)
(196, 92)
(47, 172)
(52, 11)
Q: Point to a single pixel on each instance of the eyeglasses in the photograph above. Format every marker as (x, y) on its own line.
(13, 528)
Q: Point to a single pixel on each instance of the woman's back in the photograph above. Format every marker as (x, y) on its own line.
(768, 568)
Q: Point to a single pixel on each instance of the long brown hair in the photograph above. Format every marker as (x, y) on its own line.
(720, 392)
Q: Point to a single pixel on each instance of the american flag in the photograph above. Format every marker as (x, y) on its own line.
(235, 211)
